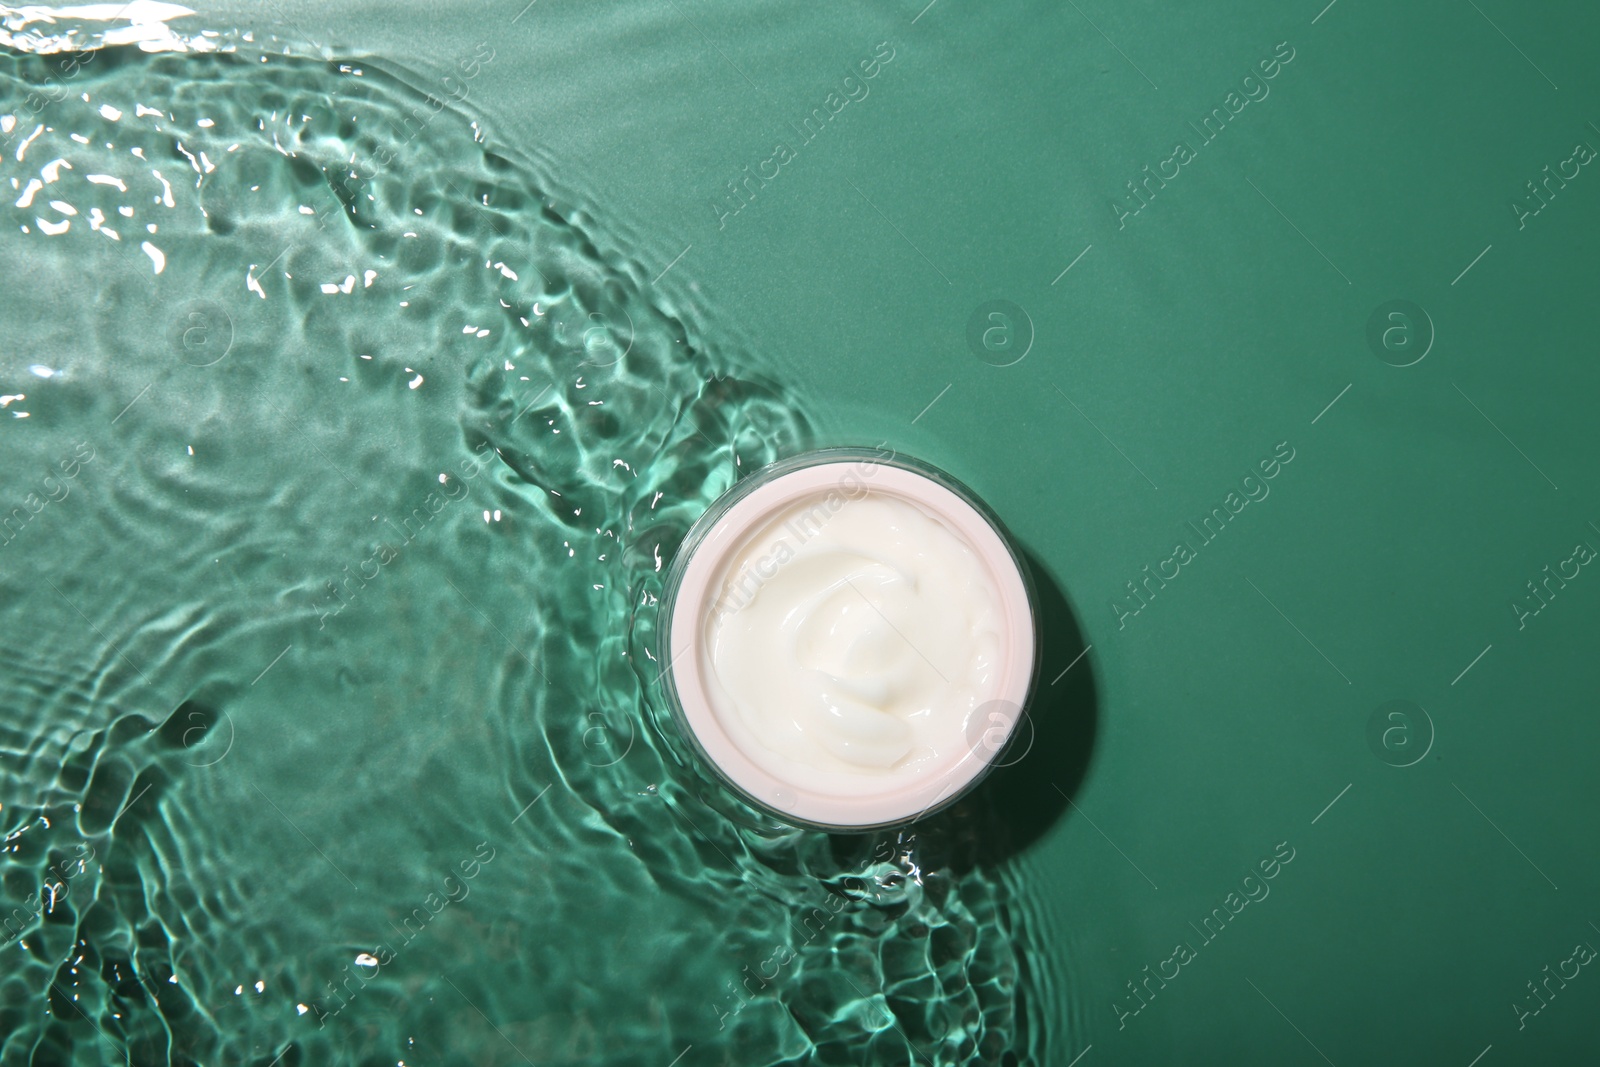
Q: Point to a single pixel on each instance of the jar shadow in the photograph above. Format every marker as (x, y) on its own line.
(1047, 758)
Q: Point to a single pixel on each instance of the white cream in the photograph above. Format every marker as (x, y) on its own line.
(848, 640)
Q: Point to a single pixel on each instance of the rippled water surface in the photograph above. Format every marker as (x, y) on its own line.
(333, 524)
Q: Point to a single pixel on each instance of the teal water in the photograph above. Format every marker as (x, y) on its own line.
(343, 453)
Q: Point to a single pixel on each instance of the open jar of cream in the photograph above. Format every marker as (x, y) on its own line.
(849, 639)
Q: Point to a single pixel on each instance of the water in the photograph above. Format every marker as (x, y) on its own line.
(343, 454)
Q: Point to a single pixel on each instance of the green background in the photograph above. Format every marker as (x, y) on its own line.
(1196, 338)
(1223, 319)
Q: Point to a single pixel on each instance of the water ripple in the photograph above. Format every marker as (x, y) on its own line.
(330, 726)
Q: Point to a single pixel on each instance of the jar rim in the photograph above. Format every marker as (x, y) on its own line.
(692, 582)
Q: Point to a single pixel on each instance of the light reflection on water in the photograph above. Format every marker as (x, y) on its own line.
(330, 548)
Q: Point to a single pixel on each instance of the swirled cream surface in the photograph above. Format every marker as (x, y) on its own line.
(849, 640)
